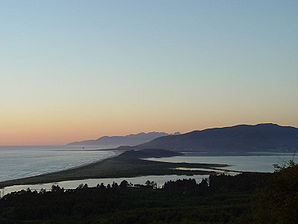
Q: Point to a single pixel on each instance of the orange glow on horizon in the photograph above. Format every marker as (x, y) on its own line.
(63, 123)
(54, 134)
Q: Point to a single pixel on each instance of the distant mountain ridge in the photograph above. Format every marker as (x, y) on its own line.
(241, 138)
(116, 141)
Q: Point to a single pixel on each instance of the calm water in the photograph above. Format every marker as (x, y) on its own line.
(21, 162)
(17, 162)
(160, 180)
(254, 163)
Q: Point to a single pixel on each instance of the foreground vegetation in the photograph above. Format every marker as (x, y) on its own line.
(245, 198)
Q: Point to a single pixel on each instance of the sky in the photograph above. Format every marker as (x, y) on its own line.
(75, 70)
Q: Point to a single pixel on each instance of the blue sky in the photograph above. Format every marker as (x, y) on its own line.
(96, 68)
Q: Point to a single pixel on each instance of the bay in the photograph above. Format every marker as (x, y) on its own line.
(22, 162)
(255, 162)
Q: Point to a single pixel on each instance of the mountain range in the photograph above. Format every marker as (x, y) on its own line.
(266, 137)
(116, 141)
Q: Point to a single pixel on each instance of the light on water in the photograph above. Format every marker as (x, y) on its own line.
(23, 162)
(252, 163)
(18, 162)
(159, 180)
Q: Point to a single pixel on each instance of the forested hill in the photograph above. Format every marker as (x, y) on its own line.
(241, 138)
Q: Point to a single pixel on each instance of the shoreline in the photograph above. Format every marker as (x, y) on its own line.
(115, 152)
(117, 166)
(62, 170)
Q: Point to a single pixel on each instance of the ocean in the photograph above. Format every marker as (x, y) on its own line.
(26, 161)
(18, 162)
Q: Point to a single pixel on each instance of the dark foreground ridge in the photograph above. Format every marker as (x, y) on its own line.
(242, 199)
(128, 164)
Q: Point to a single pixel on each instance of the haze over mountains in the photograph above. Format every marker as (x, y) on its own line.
(116, 141)
(241, 138)
(265, 137)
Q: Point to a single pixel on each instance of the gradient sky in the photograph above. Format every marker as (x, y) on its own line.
(73, 70)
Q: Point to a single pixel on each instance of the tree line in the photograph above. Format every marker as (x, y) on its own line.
(247, 197)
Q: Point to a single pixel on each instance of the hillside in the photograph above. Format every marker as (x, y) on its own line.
(116, 141)
(148, 153)
(241, 138)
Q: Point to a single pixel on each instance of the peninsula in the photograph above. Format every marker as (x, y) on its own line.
(127, 164)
